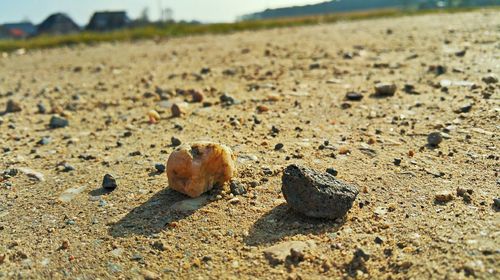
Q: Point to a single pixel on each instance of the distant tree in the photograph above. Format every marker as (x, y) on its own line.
(144, 17)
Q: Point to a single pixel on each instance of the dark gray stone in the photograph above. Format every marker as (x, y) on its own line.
(58, 122)
(12, 106)
(109, 182)
(237, 188)
(160, 167)
(316, 194)
(434, 138)
(175, 141)
(353, 96)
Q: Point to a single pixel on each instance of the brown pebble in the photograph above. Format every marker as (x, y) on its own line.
(344, 150)
(197, 96)
(178, 109)
(262, 108)
(443, 197)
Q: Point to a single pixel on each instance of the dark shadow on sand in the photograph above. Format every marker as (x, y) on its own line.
(151, 217)
(281, 221)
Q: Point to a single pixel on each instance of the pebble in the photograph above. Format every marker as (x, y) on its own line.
(332, 171)
(353, 96)
(149, 275)
(160, 167)
(175, 141)
(490, 79)
(443, 197)
(227, 100)
(496, 202)
(32, 174)
(67, 167)
(237, 188)
(277, 254)
(278, 146)
(316, 194)
(44, 141)
(41, 108)
(178, 109)
(109, 182)
(197, 96)
(397, 161)
(13, 106)
(153, 116)
(385, 89)
(58, 122)
(434, 139)
(196, 168)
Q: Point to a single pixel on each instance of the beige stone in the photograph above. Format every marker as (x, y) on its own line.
(196, 168)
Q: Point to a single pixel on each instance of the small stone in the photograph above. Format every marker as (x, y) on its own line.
(67, 167)
(496, 203)
(13, 106)
(461, 53)
(443, 197)
(197, 96)
(153, 116)
(434, 139)
(465, 108)
(332, 171)
(278, 146)
(378, 240)
(397, 161)
(237, 188)
(160, 167)
(227, 100)
(58, 122)
(354, 96)
(262, 108)
(490, 79)
(278, 253)
(65, 245)
(149, 275)
(196, 168)
(178, 109)
(109, 182)
(175, 141)
(32, 174)
(44, 141)
(316, 194)
(385, 89)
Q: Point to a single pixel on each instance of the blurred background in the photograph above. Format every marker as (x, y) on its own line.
(137, 19)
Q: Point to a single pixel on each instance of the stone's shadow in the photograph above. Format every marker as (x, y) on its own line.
(151, 217)
(281, 221)
(100, 191)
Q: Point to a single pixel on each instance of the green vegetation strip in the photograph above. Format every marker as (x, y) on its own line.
(179, 29)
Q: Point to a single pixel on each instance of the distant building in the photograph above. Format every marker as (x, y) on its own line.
(58, 24)
(18, 30)
(106, 20)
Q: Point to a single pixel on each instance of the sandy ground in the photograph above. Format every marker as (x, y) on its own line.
(301, 76)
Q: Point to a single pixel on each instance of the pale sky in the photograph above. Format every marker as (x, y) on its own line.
(81, 10)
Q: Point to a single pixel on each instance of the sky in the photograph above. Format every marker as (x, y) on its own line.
(81, 10)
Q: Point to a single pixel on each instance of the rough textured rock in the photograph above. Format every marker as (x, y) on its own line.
(316, 194)
(58, 122)
(196, 168)
(278, 253)
(385, 89)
